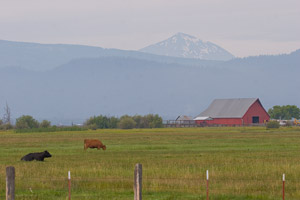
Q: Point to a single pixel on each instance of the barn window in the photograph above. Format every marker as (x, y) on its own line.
(255, 120)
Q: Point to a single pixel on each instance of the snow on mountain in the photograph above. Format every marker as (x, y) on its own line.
(187, 46)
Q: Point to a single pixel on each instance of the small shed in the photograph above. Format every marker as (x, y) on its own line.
(242, 111)
(183, 119)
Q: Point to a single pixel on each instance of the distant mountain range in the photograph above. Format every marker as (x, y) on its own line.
(181, 48)
(41, 57)
(66, 83)
(187, 46)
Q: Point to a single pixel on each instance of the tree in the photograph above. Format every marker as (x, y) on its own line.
(156, 122)
(97, 122)
(286, 112)
(148, 121)
(7, 116)
(26, 122)
(5, 124)
(45, 124)
(102, 122)
(113, 122)
(153, 121)
(127, 122)
(141, 121)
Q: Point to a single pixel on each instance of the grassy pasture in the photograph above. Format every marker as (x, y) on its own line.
(244, 163)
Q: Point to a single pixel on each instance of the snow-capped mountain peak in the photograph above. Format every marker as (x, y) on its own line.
(186, 37)
(188, 46)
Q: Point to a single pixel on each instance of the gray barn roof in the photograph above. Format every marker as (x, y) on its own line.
(228, 108)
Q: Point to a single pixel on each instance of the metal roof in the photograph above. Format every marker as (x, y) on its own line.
(203, 118)
(228, 108)
(184, 117)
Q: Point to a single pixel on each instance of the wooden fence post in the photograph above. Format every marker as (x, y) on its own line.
(138, 182)
(10, 183)
(207, 186)
(69, 184)
(283, 181)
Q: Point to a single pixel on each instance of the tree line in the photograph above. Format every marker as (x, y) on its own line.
(286, 112)
(27, 123)
(125, 122)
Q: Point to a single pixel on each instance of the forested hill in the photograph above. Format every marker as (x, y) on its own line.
(115, 86)
(267, 61)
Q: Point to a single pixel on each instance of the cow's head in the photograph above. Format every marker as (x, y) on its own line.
(104, 147)
(47, 154)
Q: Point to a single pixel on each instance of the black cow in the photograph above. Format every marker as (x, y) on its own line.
(36, 156)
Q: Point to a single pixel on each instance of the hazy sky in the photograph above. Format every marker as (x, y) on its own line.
(243, 27)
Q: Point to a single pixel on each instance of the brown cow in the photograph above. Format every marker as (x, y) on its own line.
(93, 144)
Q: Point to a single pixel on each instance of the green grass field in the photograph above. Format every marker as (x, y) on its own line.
(244, 163)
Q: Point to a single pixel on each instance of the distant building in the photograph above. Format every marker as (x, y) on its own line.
(183, 119)
(244, 111)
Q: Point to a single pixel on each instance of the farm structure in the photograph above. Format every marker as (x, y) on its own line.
(184, 118)
(181, 121)
(232, 112)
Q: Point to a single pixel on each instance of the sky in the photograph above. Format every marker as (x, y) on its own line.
(243, 27)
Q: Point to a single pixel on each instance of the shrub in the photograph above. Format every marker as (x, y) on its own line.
(7, 126)
(273, 124)
(92, 126)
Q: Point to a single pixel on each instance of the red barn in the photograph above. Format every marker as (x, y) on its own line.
(243, 111)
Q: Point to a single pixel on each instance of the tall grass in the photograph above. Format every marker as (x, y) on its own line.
(244, 163)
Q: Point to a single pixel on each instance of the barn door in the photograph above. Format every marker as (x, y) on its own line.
(255, 120)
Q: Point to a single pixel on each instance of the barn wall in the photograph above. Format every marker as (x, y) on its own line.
(256, 109)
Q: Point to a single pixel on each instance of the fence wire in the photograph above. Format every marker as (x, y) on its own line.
(197, 185)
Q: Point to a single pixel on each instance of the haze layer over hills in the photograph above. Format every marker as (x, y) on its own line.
(69, 83)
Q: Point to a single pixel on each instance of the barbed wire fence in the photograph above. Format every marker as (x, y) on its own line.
(204, 186)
